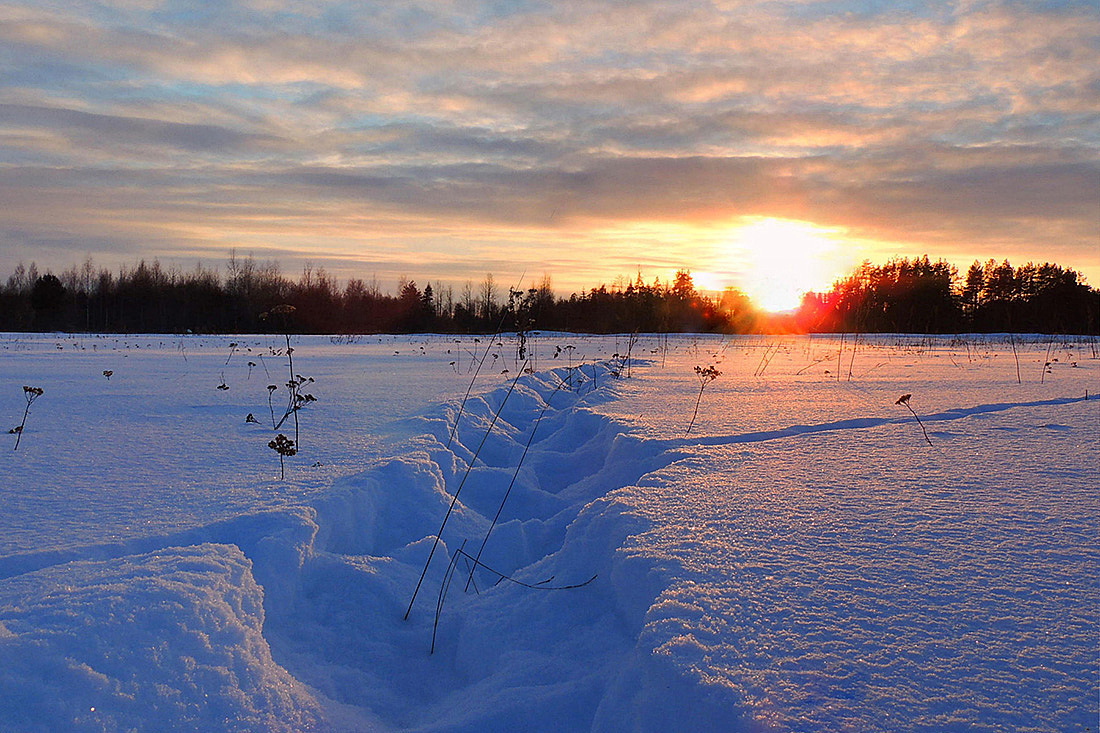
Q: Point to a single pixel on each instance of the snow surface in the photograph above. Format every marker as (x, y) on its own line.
(802, 560)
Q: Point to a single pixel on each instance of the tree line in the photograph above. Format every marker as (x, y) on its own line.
(921, 296)
(903, 295)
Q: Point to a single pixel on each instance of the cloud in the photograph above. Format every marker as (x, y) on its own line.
(498, 129)
(94, 130)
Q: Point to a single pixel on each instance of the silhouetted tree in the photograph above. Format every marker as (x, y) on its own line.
(47, 299)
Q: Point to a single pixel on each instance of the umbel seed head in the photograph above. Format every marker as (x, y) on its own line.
(903, 400)
(710, 373)
(282, 445)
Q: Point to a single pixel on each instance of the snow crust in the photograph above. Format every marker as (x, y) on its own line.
(802, 560)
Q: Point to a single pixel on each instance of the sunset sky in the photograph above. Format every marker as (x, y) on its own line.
(580, 140)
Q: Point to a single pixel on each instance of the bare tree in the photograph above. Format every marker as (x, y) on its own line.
(488, 293)
(468, 297)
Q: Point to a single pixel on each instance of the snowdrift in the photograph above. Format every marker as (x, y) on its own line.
(292, 620)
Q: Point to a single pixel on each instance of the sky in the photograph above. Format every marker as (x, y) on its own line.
(581, 140)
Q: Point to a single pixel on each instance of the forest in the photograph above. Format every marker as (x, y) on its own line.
(902, 296)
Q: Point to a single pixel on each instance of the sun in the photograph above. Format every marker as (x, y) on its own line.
(779, 260)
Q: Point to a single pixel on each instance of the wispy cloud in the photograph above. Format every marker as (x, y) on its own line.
(487, 133)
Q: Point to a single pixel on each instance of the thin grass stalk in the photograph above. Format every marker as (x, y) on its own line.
(271, 409)
(22, 426)
(508, 491)
(30, 394)
(629, 352)
(852, 361)
(541, 585)
(771, 356)
(443, 588)
(1012, 341)
(756, 372)
(454, 499)
(293, 392)
(929, 440)
(469, 388)
(811, 364)
(470, 568)
(1046, 362)
(696, 413)
(840, 357)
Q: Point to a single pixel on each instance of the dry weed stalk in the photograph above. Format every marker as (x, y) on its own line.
(454, 499)
(30, 394)
(706, 376)
(904, 400)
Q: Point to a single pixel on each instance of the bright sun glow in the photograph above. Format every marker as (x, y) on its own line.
(783, 259)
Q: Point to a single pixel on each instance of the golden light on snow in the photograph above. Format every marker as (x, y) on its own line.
(782, 259)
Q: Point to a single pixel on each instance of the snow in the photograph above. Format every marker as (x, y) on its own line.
(802, 560)
(158, 447)
(166, 640)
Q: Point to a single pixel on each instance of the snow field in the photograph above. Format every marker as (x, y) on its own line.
(841, 581)
(159, 448)
(801, 561)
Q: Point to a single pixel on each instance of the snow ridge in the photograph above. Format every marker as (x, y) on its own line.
(305, 604)
(865, 422)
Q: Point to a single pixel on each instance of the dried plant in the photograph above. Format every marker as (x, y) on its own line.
(107, 373)
(465, 397)
(630, 344)
(271, 408)
(296, 398)
(766, 359)
(511, 485)
(284, 446)
(623, 366)
(1016, 356)
(472, 564)
(454, 497)
(30, 394)
(904, 400)
(706, 376)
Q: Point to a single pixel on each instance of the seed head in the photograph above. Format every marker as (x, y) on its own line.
(282, 445)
